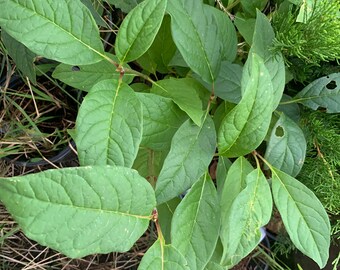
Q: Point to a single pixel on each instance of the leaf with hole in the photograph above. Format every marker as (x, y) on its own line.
(244, 127)
(49, 28)
(139, 30)
(81, 211)
(323, 92)
(196, 223)
(286, 148)
(109, 125)
(191, 147)
(303, 215)
(161, 256)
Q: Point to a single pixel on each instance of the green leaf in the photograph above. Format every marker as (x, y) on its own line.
(161, 120)
(191, 147)
(245, 26)
(250, 210)
(303, 215)
(139, 29)
(84, 77)
(245, 127)
(250, 7)
(286, 148)
(165, 214)
(214, 263)
(90, 4)
(125, 5)
(185, 93)
(22, 56)
(292, 110)
(165, 257)
(60, 30)
(81, 211)
(323, 92)
(306, 10)
(223, 166)
(198, 35)
(234, 183)
(196, 224)
(109, 125)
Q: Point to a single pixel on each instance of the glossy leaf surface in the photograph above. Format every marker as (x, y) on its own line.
(109, 125)
(51, 29)
(191, 147)
(81, 211)
(196, 224)
(303, 215)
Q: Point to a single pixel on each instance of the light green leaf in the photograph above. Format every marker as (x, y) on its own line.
(303, 215)
(250, 210)
(198, 35)
(214, 263)
(139, 29)
(306, 10)
(84, 77)
(286, 148)
(165, 257)
(22, 56)
(323, 92)
(60, 30)
(165, 213)
(234, 183)
(81, 211)
(185, 93)
(109, 125)
(191, 147)
(125, 5)
(245, 127)
(196, 224)
(161, 120)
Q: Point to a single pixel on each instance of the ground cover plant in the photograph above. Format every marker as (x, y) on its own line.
(180, 90)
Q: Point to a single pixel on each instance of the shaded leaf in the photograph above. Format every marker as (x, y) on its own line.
(323, 92)
(60, 30)
(250, 7)
(161, 256)
(109, 125)
(81, 211)
(196, 224)
(191, 147)
(139, 29)
(286, 148)
(303, 215)
(244, 127)
(125, 5)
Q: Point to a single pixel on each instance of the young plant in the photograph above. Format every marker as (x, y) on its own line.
(141, 146)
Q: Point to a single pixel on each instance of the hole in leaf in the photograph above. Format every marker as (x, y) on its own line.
(331, 85)
(279, 132)
(75, 68)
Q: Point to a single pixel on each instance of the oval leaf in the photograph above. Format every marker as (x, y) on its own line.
(286, 148)
(191, 147)
(244, 127)
(303, 215)
(109, 125)
(323, 92)
(165, 257)
(139, 29)
(61, 30)
(196, 223)
(250, 211)
(81, 211)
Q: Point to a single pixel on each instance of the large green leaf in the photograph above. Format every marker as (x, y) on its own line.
(196, 224)
(286, 148)
(84, 77)
(244, 127)
(61, 30)
(214, 263)
(161, 120)
(198, 35)
(109, 125)
(250, 210)
(81, 211)
(163, 257)
(22, 56)
(185, 93)
(303, 215)
(139, 29)
(191, 147)
(323, 92)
